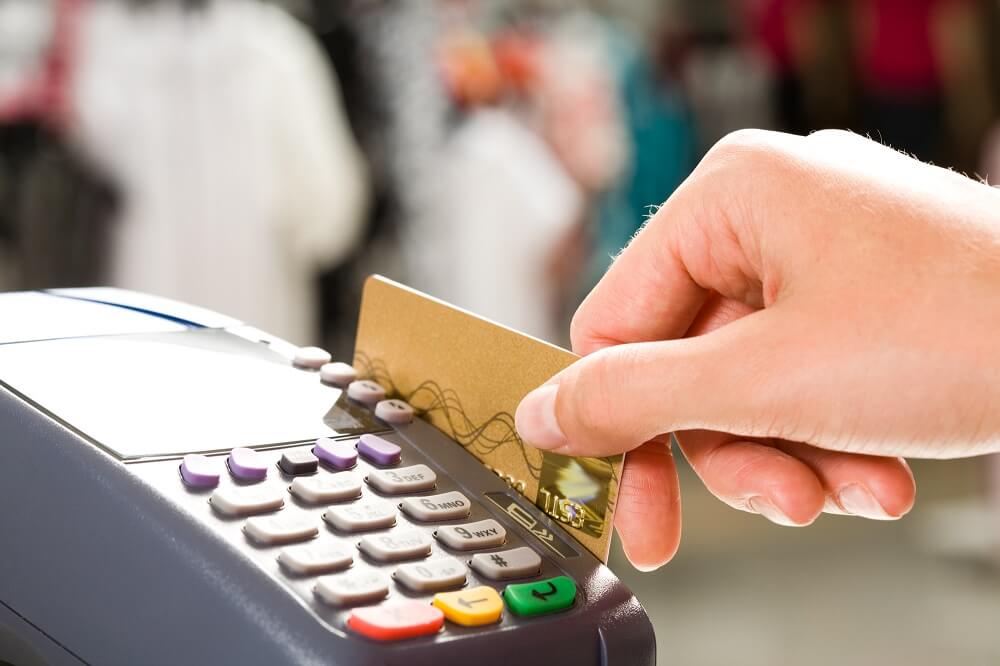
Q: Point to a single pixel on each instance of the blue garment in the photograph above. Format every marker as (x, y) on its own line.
(663, 150)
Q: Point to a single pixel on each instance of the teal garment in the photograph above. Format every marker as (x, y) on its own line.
(663, 151)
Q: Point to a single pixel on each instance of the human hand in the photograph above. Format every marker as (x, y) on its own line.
(801, 311)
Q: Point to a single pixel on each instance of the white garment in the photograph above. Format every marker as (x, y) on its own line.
(224, 129)
(505, 204)
(25, 32)
(728, 89)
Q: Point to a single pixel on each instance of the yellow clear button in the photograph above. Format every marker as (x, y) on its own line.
(471, 608)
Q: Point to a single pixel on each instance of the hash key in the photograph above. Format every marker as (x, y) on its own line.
(514, 563)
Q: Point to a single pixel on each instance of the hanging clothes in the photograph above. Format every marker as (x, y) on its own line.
(504, 205)
(662, 141)
(64, 218)
(223, 128)
(383, 53)
(56, 213)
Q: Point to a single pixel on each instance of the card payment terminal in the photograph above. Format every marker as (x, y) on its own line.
(181, 488)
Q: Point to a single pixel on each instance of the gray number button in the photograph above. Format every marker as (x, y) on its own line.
(472, 536)
(246, 500)
(337, 373)
(396, 546)
(316, 558)
(394, 411)
(361, 516)
(433, 575)
(326, 488)
(281, 528)
(446, 506)
(365, 391)
(311, 357)
(404, 480)
(352, 588)
(514, 563)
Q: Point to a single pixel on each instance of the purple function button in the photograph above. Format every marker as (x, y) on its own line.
(340, 455)
(378, 450)
(247, 464)
(199, 471)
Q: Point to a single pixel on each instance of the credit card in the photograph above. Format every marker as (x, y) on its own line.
(466, 375)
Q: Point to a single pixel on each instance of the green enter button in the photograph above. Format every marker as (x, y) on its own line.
(547, 596)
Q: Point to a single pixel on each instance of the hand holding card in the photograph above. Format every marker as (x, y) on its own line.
(466, 375)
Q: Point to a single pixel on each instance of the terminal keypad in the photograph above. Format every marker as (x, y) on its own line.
(378, 534)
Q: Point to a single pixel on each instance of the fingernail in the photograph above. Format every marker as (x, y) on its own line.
(857, 500)
(643, 564)
(645, 568)
(535, 418)
(764, 507)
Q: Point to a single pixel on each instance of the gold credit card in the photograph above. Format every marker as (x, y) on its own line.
(466, 375)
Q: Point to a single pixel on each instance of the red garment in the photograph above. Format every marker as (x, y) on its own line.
(769, 21)
(897, 53)
(45, 97)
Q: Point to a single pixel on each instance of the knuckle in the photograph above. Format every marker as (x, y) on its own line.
(598, 389)
(741, 144)
(832, 135)
(648, 479)
(761, 154)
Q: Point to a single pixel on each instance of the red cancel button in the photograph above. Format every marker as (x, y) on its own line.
(393, 622)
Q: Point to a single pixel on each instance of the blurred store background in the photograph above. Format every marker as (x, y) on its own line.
(260, 158)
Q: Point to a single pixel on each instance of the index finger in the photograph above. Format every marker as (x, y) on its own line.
(703, 239)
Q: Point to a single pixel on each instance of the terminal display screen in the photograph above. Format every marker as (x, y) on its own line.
(173, 393)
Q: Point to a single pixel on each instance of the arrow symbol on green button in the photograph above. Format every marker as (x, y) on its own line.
(544, 595)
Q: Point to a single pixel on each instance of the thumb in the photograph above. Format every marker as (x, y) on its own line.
(619, 397)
